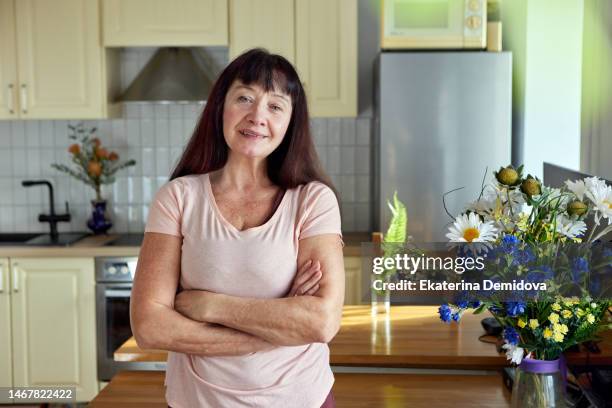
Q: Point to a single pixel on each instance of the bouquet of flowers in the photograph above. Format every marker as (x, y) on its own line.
(530, 230)
(94, 165)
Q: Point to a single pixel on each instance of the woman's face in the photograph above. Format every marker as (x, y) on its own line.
(255, 121)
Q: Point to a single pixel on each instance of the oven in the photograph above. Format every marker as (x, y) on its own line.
(114, 276)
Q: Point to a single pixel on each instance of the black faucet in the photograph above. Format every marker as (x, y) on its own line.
(52, 218)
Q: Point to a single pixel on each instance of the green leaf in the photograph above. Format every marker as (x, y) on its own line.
(480, 309)
(396, 233)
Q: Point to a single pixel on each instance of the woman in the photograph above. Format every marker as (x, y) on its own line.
(246, 205)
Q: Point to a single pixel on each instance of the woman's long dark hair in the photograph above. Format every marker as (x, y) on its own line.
(295, 160)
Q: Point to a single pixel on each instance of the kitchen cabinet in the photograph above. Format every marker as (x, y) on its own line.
(352, 280)
(53, 333)
(52, 64)
(6, 377)
(8, 56)
(326, 55)
(142, 23)
(262, 23)
(318, 36)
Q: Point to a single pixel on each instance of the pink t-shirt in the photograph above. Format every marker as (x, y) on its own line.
(259, 262)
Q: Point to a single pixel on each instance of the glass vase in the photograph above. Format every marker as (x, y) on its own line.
(98, 222)
(539, 384)
(380, 299)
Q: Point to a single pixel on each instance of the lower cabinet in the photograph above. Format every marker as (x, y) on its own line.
(6, 363)
(52, 324)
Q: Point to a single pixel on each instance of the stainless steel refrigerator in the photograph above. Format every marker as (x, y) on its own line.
(442, 118)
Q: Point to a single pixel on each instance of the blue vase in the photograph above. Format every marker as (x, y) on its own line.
(98, 222)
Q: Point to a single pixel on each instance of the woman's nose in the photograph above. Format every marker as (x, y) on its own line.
(257, 114)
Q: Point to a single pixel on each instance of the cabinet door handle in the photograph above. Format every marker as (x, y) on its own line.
(15, 278)
(1, 279)
(11, 99)
(24, 98)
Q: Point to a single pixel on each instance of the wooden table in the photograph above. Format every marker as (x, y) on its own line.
(145, 389)
(411, 336)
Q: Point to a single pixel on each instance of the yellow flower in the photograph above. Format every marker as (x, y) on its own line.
(533, 323)
(547, 333)
(553, 317)
(566, 313)
(521, 323)
(558, 337)
(556, 307)
(590, 318)
(561, 328)
(579, 312)
(571, 301)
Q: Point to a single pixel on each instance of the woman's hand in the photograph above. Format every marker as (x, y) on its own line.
(194, 304)
(306, 281)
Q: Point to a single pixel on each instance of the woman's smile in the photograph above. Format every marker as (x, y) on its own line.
(251, 134)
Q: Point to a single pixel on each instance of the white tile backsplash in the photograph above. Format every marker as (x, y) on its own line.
(155, 136)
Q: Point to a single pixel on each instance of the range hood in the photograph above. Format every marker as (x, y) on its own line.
(172, 75)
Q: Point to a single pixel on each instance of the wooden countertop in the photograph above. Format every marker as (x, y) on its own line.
(140, 389)
(94, 246)
(412, 336)
(87, 247)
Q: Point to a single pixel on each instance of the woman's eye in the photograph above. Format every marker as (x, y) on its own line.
(243, 99)
(276, 108)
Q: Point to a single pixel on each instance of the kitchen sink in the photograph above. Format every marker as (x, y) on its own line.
(16, 238)
(38, 239)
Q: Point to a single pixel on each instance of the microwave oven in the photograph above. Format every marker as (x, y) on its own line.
(434, 24)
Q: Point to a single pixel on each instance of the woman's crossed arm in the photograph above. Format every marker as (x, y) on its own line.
(286, 321)
(155, 322)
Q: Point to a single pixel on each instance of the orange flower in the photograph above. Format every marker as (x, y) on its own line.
(94, 169)
(113, 156)
(96, 141)
(101, 152)
(74, 149)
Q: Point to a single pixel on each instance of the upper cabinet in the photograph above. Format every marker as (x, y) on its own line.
(318, 36)
(326, 55)
(142, 23)
(262, 23)
(52, 64)
(8, 56)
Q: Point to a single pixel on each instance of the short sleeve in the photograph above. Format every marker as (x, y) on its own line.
(320, 212)
(166, 210)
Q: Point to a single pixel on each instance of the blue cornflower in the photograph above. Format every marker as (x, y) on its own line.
(607, 254)
(496, 309)
(475, 304)
(461, 301)
(462, 304)
(509, 244)
(580, 266)
(511, 335)
(445, 313)
(522, 257)
(515, 308)
(549, 274)
(456, 316)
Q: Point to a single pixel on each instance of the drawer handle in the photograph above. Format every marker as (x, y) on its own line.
(15, 278)
(24, 98)
(1, 279)
(11, 99)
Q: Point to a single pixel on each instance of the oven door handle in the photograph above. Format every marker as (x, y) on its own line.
(117, 293)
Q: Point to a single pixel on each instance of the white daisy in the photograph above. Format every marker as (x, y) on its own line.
(569, 227)
(514, 353)
(469, 228)
(601, 196)
(577, 187)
